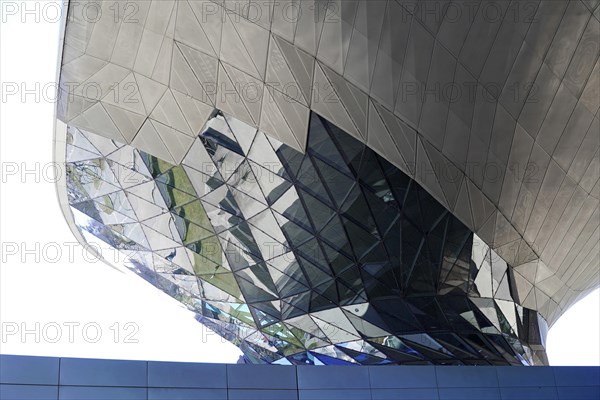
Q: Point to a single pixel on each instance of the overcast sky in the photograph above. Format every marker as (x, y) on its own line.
(75, 306)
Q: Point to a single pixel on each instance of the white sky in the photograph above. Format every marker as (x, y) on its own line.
(60, 294)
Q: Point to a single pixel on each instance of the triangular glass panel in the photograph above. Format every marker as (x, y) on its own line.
(218, 135)
(225, 282)
(384, 215)
(362, 241)
(336, 325)
(423, 339)
(248, 206)
(356, 208)
(295, 234)
(174, 197)
(484, 348)
(314, 275)
(320, 213)
(350, 295)
(82, 185)
(362, 358)
(127, 177)
(109, 216)
(158, 241)
(237, 257)
(148, 192)
(130, 158)
(457, 312)
(239, 312)
(263, 154)
(132, 231)
(245, 181)
(194, 212)
(320, 302)
(290, 158)
(210, 264)
(329, 291)
(427, 352)
(288, 285)
(74, 154)
(103, 144)
(367, 313)
(398, 351)
(454, 344)
(241, 236)
(308, 340)
(203, 183)
(378, 287)
(76, 138)
(225, 160)
(155, 165)
(338, 184)
(310, 181)
(223, 198)
(290, 206)
(252, 293)
(376, 256)
(96, 170)
(311, 250)
(337, 261)
(321, 145)
(351, 148)
(260, 276)
(505, 325)
(275, 315)
(335, 235)
(397, 314)
(266, 222)
(329, 360)
(296, 306)
(177, 177)
(117, 201)
(411, 208)
(351, 278)
(209, 247)
(432, 212)
(486, 314)
(272, 185)
(190, 232)
(288, 265)
(370, 174)
(397, 181)
(87, 212)
(243, 133)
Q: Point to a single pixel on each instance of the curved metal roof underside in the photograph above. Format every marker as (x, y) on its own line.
(491, 107)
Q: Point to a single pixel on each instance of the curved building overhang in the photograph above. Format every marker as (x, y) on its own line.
(491, 107)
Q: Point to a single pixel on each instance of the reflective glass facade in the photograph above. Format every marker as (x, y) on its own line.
(492, 107)
(332, 256)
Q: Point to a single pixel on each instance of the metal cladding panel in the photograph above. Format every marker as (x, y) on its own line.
(28, 370)
(582, 383)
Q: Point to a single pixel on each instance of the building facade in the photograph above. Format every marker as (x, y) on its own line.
(342, 182)
(42, 378)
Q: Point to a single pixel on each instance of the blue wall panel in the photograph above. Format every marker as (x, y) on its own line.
(45, 378)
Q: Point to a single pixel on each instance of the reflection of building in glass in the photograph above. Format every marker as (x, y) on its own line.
(382, 182)
(332, 256)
